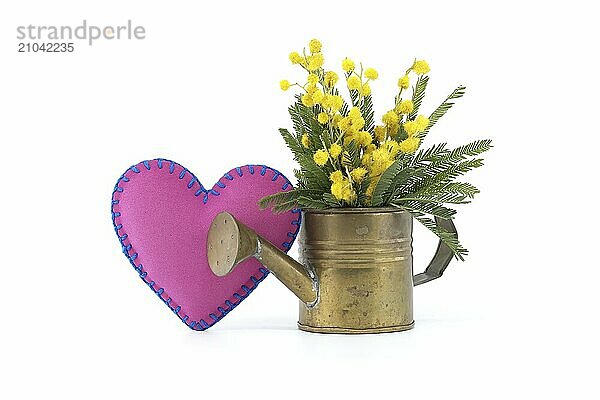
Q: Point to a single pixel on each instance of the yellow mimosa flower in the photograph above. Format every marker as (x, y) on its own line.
(284, 84)
(314, 46)
(296, 58)
(315, 61)
(390, 118)
(317, 96)
(320, 157)
(307, 100)
(322, 117)
(354, 113)
(411, 128)
(364, 138)
(305, 140)
(422, 122)
(365, 90)
(371, 73)
(347, 65)
(335, 150)
(405, 107)
(380, 133)
(409, 145)
(358, 174)
(392, 147)
(404, 82)
(330, 78)
(336, 176)
(353, 82)
(420, 67)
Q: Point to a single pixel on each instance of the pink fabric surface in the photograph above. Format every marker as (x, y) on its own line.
(162, 214)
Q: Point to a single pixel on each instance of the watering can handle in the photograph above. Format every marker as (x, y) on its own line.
(442, 257)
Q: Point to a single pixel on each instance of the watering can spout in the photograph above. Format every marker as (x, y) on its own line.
(230, 242)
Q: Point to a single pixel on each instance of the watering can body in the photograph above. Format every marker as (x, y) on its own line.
(355, 273)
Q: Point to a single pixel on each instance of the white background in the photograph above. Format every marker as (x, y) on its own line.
(518, 319)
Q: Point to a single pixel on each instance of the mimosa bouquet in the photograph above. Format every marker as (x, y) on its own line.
(347, 159)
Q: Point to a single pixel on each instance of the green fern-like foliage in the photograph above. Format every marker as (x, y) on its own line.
(346, 160)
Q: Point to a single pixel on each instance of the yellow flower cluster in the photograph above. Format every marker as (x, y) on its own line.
(411, 128)
(405, 107)
(404, 82)
(351, 126)
(332, 103)
(311, 62)
(330, 78)
(335, 150)
(284, 84)
(348, 65)
(321, 156)
(305, 140)
(355, 80)
(420, 67)
(378, 148)
(370, 73)
(319, 83)
(341, 187)
(378, 159)
(315, 46)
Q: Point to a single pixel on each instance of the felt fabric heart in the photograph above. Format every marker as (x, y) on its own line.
(161, 214)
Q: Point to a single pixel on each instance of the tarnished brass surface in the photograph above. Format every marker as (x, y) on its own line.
(325, 329)
(231, 242)
(363, 263)
(291, 273)
(356, 272)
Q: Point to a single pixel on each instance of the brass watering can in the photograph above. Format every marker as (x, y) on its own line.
(355, 273)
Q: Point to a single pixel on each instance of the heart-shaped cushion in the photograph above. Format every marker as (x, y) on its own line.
(161, 214)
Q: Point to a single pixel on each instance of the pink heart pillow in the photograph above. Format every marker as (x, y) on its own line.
(161, 214)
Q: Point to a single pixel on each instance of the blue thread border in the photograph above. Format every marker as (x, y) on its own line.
(221, 312)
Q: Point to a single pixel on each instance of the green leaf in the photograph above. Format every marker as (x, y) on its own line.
(384, 186)
(313, 176)
(443, 108)
(468, 150)
(366, 109)
(291, 142)
(418, 95)
(362, 199)
(440, 166)
(431, 208)
(431, 154)
(436, 197)
(448, 238)
(446, 174)
(351, 156)
(297, 120)
(284, 207)
(310, 203)
(354, 95)
(330, 200)
(451, 191)
(291, 196)
(464, 188)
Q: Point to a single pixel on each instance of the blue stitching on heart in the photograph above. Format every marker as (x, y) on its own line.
(160, 292)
